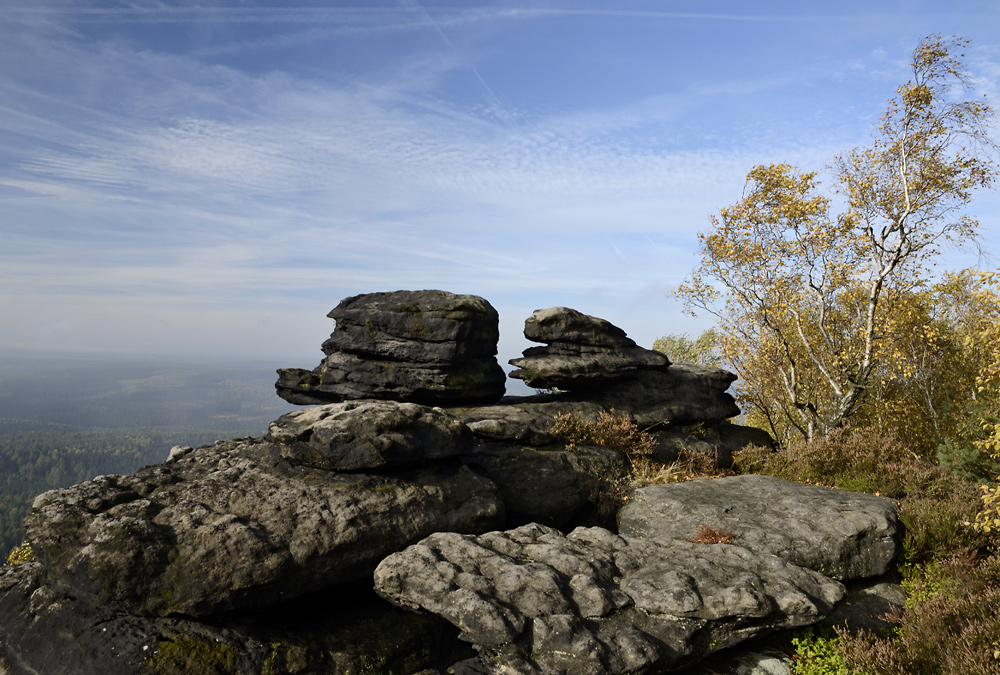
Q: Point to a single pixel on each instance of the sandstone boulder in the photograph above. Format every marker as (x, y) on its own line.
(369, 435)
(582, 352)
(844, 535)
(684, 394)
(549, 485)
(429, 347)
(345, 631)
(236, 525)
(534, 600)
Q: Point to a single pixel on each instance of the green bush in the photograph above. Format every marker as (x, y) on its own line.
(817, 653)
(951, 625)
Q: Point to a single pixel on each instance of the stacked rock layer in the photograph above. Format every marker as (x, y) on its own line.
(581, 352)
(430, 347)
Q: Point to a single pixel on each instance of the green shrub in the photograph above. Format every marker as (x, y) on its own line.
(951, 625)
(817, 653)
(860, 461)
(937, 518)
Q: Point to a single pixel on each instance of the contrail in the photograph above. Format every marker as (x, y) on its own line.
(490, 95)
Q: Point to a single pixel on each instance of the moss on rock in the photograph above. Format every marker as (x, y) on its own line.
(185, 655)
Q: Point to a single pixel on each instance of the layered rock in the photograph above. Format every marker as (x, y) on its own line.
(369, 435)
(844, 535)
(581, 352)
(536, 601)
(237, 525)
(256, 555)
(430, 347)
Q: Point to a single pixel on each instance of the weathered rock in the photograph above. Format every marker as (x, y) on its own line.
(684, 394)
(564, 325)
(346, 377)
(536, 601)
(345, 631)
(582, 352)
(746, 662)
(429, 347)
(718, 440)
(844, 535)
(235, 525)
(253, 555)
(417, 326)
(368, 435)
(551, 486)
(179, 451)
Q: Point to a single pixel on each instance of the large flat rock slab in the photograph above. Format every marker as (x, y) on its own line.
(236, 525)
(844, 535)
(534, 600)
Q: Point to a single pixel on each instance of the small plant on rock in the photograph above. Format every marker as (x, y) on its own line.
(704, 534)
(610, 431)
(21, 554)
(817, 653)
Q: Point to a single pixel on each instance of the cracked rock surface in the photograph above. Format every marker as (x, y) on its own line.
(236, 525)
(534, 600)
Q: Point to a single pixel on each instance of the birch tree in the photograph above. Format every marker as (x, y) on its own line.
(808, 302)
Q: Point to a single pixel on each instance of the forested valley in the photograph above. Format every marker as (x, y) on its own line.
(68, 419)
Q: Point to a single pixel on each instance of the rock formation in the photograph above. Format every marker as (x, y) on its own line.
(258, 555)
(536, 601)
(429, 347)
(236, 525)
(581, 352)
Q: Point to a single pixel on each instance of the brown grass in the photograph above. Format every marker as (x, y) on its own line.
(704, 534)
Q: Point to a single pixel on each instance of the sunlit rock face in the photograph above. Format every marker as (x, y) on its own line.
(537, 601)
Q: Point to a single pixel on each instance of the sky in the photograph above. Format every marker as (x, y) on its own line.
(208, 179)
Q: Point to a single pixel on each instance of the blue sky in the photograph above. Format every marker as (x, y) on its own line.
(208, 179)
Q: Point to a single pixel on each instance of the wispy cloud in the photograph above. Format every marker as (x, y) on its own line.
(232, 167)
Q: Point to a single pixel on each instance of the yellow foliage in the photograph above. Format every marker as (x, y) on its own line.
(21, 554)
(988, 383)
(811, 306)
(703, 350)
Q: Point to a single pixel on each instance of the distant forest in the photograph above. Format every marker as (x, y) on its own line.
(66, 420)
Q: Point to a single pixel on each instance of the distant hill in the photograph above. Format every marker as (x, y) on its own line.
(66, 419)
